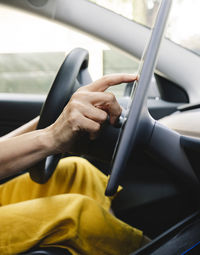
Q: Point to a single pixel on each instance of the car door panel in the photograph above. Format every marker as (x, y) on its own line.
(16, 110)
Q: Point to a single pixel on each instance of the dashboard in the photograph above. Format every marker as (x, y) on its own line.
(186, 122)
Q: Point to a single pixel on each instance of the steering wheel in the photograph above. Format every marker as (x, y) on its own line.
(140, 129)
(72, 74)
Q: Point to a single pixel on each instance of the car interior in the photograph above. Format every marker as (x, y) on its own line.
(161, 177)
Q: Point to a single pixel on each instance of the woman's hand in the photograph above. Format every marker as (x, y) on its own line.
(88, 108)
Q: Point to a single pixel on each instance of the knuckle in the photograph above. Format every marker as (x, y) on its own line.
(72, 119)
(104, 116)
(81, 95)
(72, 103)
(111, 97)
(75, 103)
(75, 126)
(75, 129)
(76, 94)
(96, 127)
(107, 79)
(79, 91)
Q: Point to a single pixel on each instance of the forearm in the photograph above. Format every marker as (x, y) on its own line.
(28, 127)
(87, 109)
(20, 152)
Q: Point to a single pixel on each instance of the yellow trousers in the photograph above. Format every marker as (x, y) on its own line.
(69, 211)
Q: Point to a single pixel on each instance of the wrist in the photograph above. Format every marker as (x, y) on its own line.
(52, 140)
(47, 141)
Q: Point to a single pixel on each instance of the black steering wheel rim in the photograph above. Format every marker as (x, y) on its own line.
(139, 126)
(72, 74)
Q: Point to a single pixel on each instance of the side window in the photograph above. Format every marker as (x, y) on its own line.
(115, 61)
(33, 48)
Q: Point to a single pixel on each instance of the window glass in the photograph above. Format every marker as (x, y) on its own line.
(115, 61)
(184, 19)
(31, 54)
(184, 24)
(33, 48)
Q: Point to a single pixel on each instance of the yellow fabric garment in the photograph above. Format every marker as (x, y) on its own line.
(69, 211)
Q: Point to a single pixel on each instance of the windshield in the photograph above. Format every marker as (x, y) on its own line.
(184, 19)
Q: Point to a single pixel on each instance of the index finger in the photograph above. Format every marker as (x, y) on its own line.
(110, 80)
